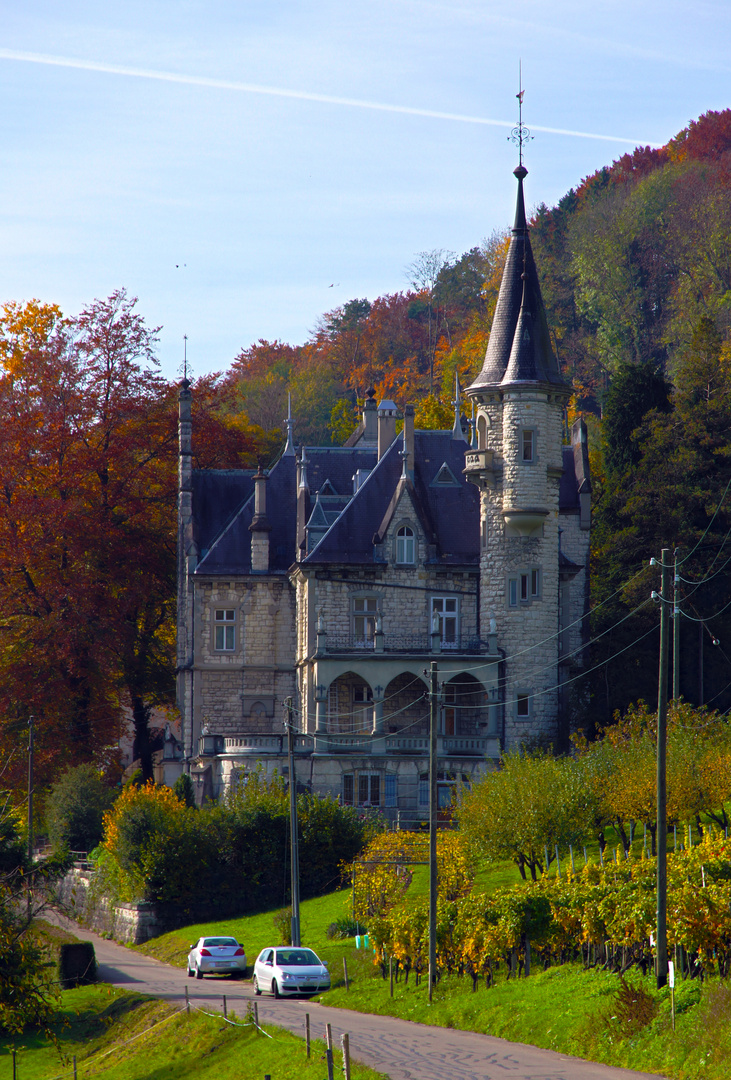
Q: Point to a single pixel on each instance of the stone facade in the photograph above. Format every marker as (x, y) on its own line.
(329, 586)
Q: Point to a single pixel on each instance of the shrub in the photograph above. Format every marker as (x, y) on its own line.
(345, 928)
(183, 788)
(76, 806)
(283, 925)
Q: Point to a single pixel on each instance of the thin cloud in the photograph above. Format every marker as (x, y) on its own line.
(298, 95)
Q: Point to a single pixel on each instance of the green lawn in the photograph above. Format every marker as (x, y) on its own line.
(564, 1009)
(126, 1036)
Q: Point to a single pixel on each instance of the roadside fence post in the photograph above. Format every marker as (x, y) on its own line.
(256, 1013)
(329, 1056)
(187, 999)
(225, 1011)
(74, 1066)
(307, 1032)
(329, 1037)
(345, 1041)
(345, 971)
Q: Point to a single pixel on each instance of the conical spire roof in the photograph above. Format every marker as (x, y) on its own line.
(520, 348)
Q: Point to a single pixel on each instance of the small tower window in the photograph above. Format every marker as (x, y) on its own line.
(481, 432)
(522, 706)
(405, 546)
(527, 440)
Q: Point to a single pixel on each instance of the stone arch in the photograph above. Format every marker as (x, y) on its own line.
(465, 706)
(405, 706)
(349, 704)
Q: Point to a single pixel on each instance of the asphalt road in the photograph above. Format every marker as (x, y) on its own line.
(399, 1048)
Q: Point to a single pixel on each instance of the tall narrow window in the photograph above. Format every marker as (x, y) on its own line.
(369, 789)
(365, 611)
(527, 448)
(522, 706)
(481, 432)
(405, 546)
(447, 612)
(348, 789)
(390, 790)
(224, 638)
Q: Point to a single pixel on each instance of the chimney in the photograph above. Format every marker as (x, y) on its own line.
(260, 527)
(370, 418)
(386, 426)
(409, 440)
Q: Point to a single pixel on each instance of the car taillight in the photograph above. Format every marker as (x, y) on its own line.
(239, 952)
(205, 952)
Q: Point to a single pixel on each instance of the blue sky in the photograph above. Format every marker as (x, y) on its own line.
(225, 161)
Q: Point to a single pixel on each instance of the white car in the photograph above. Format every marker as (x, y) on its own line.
(216, 955)
(290, 970)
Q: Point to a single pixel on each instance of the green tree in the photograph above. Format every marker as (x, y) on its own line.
(76, 806)
(533, 802)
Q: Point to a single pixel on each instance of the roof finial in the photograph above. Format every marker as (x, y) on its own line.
(186, 383)
(520, 134)
(289, 450)
(457, 433)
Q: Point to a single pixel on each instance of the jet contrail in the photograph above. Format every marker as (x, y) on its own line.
(299, 95)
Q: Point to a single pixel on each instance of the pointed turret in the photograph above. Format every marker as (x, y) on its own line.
(520, 293)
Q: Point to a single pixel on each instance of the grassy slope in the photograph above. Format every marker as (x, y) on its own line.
(97, 1019)
(563, 1009)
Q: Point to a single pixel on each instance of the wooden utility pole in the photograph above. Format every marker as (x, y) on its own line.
(676, 631)
(662, 828)
(294, 849)
(433, 715)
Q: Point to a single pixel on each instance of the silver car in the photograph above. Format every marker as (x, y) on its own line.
(216, 955)
(289, 970)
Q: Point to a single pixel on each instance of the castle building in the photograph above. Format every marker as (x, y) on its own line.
(332, 582)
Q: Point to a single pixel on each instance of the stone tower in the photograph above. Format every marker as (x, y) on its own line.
(520, 402)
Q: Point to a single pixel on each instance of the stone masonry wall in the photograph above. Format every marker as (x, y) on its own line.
(528, 632)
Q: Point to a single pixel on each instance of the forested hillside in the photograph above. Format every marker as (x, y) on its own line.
(636, 271)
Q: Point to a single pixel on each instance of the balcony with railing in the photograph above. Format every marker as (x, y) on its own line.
(363, 742)
(403, 644)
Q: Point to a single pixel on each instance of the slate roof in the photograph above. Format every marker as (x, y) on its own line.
(519, 349)
(450, 514)
(223, 506)
(223, 503)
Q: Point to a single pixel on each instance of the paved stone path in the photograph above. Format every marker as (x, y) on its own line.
(399, 1048)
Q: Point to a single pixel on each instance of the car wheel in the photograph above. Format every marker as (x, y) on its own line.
(198, 973)
(191, 973)
(275, 988)
(257, 988)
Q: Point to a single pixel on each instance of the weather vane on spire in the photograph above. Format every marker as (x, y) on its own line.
(520, 134)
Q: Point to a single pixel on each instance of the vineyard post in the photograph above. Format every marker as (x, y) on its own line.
(433, 705)
(662, 707)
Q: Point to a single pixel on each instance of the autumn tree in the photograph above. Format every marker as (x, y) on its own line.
(88, 454)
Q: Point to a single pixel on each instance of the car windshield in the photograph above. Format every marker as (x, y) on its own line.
(296, 957)
(217, 942)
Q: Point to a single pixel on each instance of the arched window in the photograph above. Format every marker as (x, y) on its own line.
(405, 549)
(482, 432)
